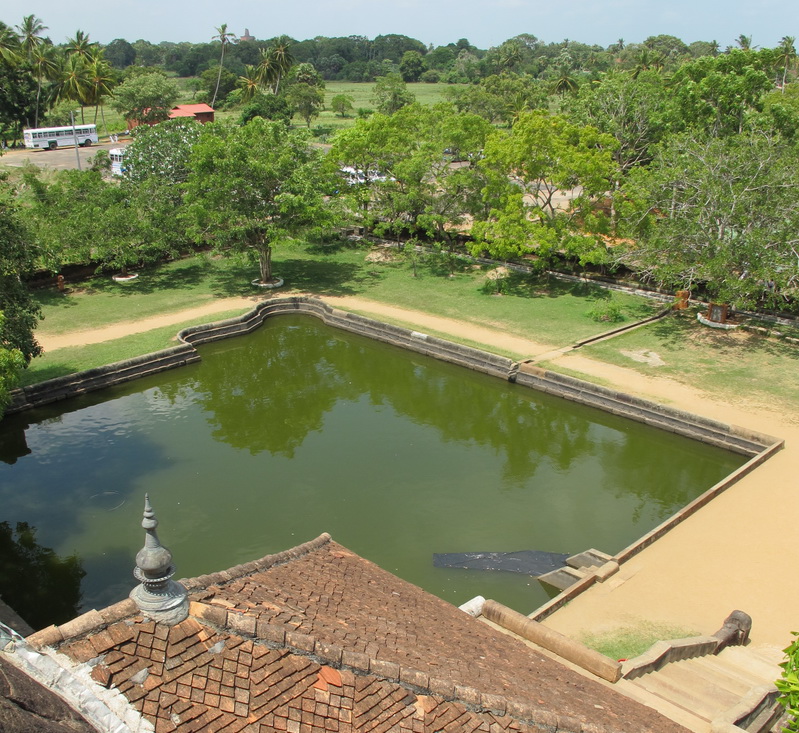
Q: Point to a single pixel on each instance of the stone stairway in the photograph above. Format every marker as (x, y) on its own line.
(722, 693)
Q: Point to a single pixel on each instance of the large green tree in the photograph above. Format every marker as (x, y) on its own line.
(251, 187)
(146, 98)
(19, 313)
(721, 214)
(546, 178)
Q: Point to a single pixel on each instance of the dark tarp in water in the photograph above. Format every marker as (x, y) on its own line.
(529, 562)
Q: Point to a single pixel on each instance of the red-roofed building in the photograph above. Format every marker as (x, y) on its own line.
(200, 112)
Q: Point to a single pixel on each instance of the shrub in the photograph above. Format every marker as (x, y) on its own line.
(788, 685)
(606, 311)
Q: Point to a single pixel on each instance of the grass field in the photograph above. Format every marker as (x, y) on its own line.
(740, 363)
(532, 308)
(328, 121)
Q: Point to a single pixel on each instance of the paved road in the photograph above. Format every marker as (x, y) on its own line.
(59, 159)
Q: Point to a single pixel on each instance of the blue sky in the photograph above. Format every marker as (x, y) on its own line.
(431, 21)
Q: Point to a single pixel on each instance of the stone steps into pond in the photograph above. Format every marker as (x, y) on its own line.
(577, 567)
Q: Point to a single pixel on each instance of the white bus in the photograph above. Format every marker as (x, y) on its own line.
(117, 156)
(51, 138)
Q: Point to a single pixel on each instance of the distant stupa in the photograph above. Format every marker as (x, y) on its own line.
(247, 36)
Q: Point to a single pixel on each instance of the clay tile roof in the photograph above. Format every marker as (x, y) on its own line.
(318, 639)
(189, 110)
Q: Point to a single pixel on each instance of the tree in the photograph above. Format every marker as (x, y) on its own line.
(44, 60)
(341, 104)
(308, 101)
(120, 54)
(406, 182)
(786, 55)
(411, 66)
(80, 45)
(101, 82)
(543, 155)
(162, 151)
(720, 213)
(225, 38)
(268, 106)
(147, 98)
(251, 187)
(19, 313)
(391, 94)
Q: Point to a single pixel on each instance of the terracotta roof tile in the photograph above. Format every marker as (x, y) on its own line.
(264, 646)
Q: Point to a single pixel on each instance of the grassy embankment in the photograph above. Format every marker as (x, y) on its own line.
(546, 312)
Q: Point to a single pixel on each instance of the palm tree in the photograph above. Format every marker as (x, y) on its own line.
(100, 83)
(80, 45)
(34, 50)
(249, 83)
(267, 69)
(44, 59)
(786, 53)
(73, 81)
(565, 82)
(9, 45)
(30, 32)
(223, 35)
(744, 42)
(282, 59)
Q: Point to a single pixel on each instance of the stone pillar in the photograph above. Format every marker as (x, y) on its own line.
(157, 596)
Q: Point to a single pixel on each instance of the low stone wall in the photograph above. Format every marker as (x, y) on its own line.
(72, 385)
(465, 356)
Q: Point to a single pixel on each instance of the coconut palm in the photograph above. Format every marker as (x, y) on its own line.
(225, 37)
(73, 80)
(45, 62)
(30, 31)
(38, 53)
(100, 83)
(282, 58)
(249, 83)
(786, 55)
(10, 51)
(267, 69)
(80, 45)
(744, 42)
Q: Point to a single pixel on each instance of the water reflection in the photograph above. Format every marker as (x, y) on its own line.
(299, 429)
(39, 585)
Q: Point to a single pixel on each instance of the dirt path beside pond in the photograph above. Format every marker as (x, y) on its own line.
(736, 553)
(479, 334)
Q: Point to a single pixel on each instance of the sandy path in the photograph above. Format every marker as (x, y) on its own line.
(738, 552)
(487, 336)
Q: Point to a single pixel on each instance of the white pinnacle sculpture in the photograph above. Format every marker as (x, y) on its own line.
(157, 596)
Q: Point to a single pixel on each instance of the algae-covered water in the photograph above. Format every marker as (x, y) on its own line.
(300, 429)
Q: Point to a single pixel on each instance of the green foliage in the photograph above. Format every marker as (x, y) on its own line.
(391, 94)
(162, 150)
(606, 311)
(721, 213)
(269, 107)
(146, 98)
(341, 104)
(307, 101)
(39, 585)
(253, 187)
(788, 685)
(19, 312)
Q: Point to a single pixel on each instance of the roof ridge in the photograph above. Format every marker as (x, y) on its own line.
(267, 561)
(93, 620)
(276, 636)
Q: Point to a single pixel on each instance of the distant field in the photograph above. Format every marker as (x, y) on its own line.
(328, 121)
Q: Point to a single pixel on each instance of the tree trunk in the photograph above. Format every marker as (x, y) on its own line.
(265, 262)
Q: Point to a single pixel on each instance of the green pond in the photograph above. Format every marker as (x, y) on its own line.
(300, 429)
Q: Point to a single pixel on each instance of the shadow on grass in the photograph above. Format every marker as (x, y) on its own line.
(326, 278)
(679, 332)
(43, 373)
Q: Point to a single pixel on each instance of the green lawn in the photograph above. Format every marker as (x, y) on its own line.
(759, 369)
(532, 308)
